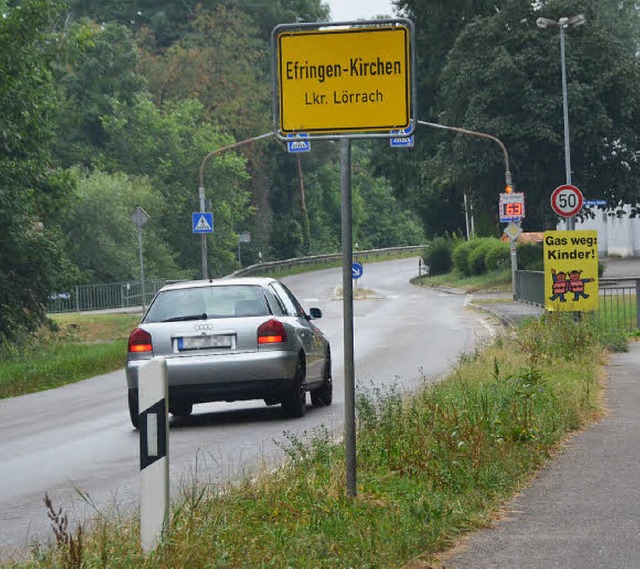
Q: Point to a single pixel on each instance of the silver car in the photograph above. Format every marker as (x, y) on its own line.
(229, 340)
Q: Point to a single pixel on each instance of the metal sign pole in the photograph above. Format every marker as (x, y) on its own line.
(514, 267)
(347, 299)
(140, 217)
(144, 302)
(203, 237)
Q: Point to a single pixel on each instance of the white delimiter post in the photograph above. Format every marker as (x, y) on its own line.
(154, 452)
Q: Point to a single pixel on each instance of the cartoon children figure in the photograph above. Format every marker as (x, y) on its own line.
(560, 285)
(576, 284)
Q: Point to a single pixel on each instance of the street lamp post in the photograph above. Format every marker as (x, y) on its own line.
(563, 23)
(201, 195)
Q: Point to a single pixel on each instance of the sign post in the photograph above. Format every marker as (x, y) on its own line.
(139, 218)
(344, 80)
(511, 210)
(401, 140)
(356, 272)
(511, 207)
(297, 143)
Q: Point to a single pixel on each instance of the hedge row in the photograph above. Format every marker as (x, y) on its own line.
(478, 256)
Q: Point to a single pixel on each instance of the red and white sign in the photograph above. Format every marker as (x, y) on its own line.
(566, 200)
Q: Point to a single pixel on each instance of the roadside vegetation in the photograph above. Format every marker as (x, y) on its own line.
(76, 346)
(432, 465)
(477, 264)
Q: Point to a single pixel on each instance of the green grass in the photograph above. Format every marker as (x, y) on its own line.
(84, 345)
(56, 365)
(496, 281)
(432, 466)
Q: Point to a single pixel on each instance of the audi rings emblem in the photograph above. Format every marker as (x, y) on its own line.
(202, 327)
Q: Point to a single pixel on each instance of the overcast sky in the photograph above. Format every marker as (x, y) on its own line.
(344, 10)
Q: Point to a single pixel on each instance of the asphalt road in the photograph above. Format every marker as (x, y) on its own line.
(76, 443)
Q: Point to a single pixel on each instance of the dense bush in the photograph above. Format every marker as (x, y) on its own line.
(477, 264)
(437, 256)
(470, 257)
(530, 257)
(498, 256)
(460, 256)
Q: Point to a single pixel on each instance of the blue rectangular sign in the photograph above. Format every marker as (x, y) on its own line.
(298, 143)
(400, 139)
(202, 222)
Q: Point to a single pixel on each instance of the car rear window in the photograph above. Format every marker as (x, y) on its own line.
(233, 301)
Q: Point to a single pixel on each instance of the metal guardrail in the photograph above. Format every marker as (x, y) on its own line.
(274, 267)
(129, 294)
(618, 302)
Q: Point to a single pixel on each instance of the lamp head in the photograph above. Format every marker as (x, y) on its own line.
(545, 23)
(575, 21)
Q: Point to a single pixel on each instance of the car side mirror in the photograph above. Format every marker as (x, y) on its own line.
(315, 313)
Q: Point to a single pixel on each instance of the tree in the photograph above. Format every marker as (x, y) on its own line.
(437, 25)
(511, 88)
(164, 18)
(109, 70)
(101, 237)
(222, 62)
(379, 220)
(32, 191)
(167, 144)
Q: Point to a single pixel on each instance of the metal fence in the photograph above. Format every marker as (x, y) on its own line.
(618, 302)
(105, 296)
(530, 287)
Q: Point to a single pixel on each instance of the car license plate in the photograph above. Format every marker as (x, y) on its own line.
(203, 342)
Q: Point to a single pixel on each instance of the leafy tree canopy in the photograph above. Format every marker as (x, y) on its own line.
(512, 89)
(32, 191)
(101, 237)
(168, 144)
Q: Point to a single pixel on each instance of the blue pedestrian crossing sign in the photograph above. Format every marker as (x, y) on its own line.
(356, 270)
(202, 222)
(399, 138)
(299, 143)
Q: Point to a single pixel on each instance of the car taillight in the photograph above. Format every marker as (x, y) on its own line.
(140, 341)
(271, 332)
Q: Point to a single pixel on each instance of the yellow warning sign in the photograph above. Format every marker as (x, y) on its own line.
(339, 80)
(571, 270)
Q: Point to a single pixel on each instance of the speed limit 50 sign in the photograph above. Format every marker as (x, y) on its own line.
(566, 200)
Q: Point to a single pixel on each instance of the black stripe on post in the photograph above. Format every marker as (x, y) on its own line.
(158, 446)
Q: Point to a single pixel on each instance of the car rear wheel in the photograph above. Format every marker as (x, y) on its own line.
(133, 408)
(294, 401)
(323, 395)
(181, 409)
